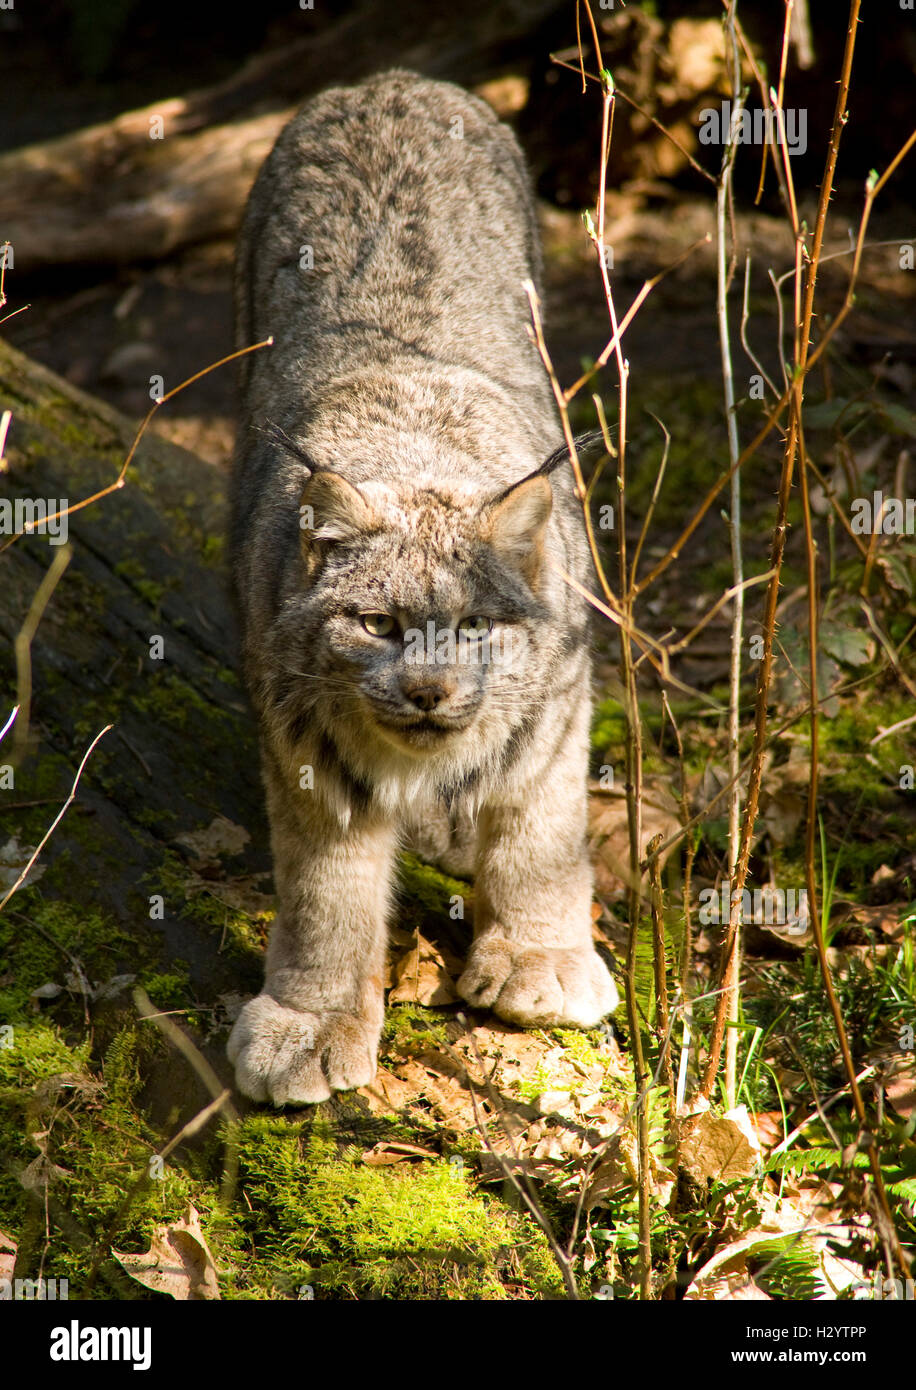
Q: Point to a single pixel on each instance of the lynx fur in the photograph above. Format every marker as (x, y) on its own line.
(403, 515)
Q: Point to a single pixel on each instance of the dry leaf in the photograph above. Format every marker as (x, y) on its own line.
(13, 859)
(431, 1082)
(609, 836)
(221, 836)
(768, 1126)
(178, 1262)
(901, 1090)
(384, 1153)
(37, 1174)
(421, 977)
(47, 991)
(548, 1102)
(621, 1169)
(82, 1086)
(723, 1147)
(725, 1276)
(888, 918)
(783, 797)
(387, 1093)
(238, 893)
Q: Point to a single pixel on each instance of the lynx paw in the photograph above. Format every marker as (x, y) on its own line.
(295, 1058)
(532, 985)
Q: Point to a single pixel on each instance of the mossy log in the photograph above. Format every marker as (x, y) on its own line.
(138, 634)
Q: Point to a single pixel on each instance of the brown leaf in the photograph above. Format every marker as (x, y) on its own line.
(724, 1147)
(221, 836)
(238, 893)
(768, 1125)
(609, 836)
(421, 977)
(888, 918)
(178, 1262)
(13, 859)
(784, 797)
(387, 1092)
(901, 1090)
(383, 1154)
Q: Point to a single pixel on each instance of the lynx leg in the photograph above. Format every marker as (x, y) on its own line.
(315, 1026)
(533, 961)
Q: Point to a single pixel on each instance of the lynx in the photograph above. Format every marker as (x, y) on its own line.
(403, 516)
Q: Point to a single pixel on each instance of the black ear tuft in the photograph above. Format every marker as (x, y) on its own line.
(279, 436)
(591, 442)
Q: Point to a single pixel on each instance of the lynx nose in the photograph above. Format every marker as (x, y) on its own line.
(427, 697)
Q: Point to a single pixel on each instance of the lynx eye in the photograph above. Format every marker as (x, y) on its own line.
(475, 627)
(379, 624)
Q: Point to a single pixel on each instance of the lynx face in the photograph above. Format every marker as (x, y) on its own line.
(420, 613)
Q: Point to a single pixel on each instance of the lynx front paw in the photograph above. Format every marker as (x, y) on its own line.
(295, 1058)
(534, 985)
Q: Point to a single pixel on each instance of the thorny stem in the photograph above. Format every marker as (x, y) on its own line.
(634, 730)
(802, 340)
(732, 981)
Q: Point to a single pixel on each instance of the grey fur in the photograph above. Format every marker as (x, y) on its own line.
(404, 407)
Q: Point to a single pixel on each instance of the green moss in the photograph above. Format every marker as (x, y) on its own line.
(148, 589)
(39, 939)
(212, 551)
(35, 1050)
(351, 1230)
(411, 1028)
(169, 990)
(609, 726)
(427, 890)
(174, 702)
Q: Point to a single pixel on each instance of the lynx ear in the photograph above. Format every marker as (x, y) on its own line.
(516, 521)
(331, 509)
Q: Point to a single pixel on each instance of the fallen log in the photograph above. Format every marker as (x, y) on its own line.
(178, 171)
(138, 634)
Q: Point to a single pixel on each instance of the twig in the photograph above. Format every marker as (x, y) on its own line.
(5, 419)
(57, 819)
(901, 724)
(734, 526)
(23, 647)
(591, 77)
(121, 478)
(779, 536)
(208, 1076)
(9, 723)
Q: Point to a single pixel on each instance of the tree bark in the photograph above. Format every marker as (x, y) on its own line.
(146, 564)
